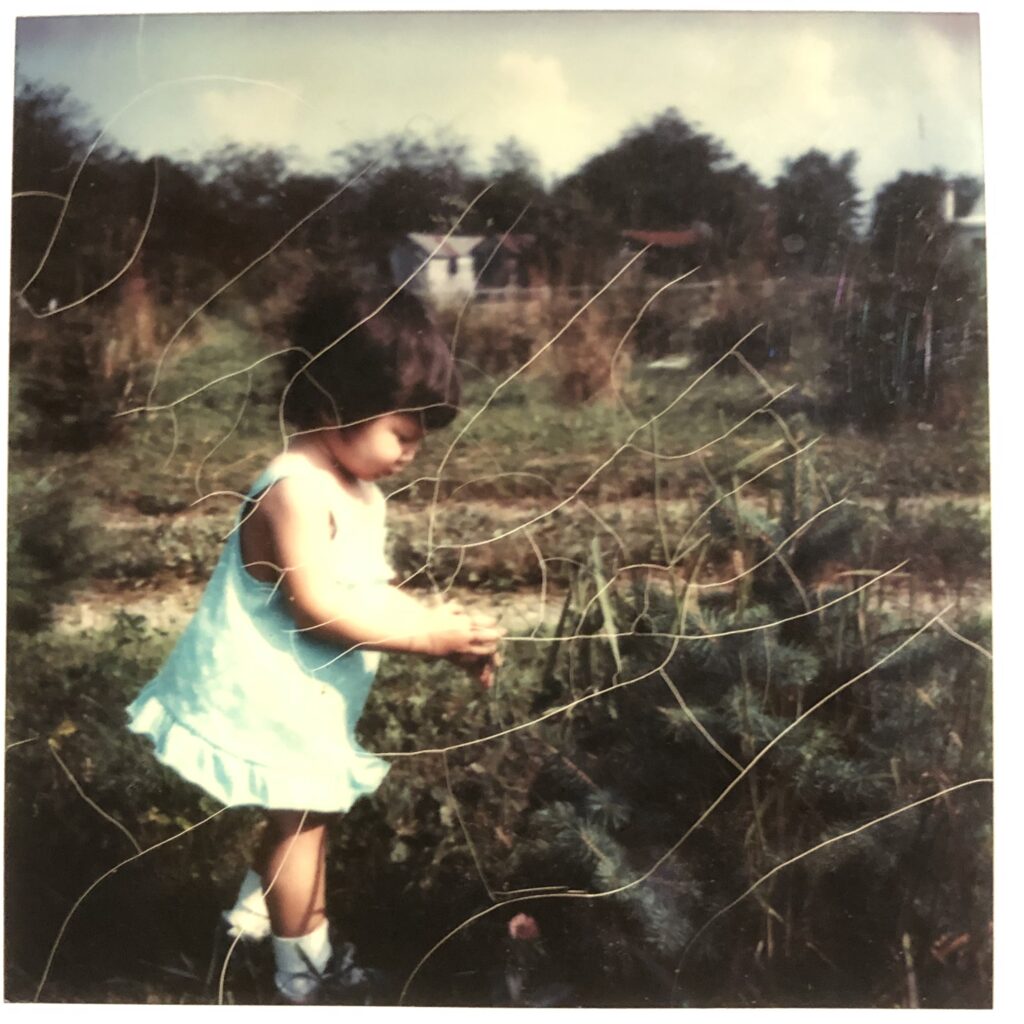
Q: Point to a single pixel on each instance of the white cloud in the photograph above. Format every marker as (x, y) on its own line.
(249, 116)
(534, 79)
(896, 90)
(529, 97)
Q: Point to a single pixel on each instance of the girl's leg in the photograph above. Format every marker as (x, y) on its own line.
(291, 863)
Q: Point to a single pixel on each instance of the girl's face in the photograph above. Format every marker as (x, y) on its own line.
(377, 448)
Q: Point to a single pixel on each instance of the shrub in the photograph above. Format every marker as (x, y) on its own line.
(50, 538)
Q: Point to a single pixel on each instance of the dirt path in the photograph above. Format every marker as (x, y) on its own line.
(520, 611)
(169, 608)
(168, 603)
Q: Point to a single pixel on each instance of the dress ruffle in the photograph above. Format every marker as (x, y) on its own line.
(235, 781)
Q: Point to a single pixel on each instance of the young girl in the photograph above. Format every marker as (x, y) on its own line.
(259, 701)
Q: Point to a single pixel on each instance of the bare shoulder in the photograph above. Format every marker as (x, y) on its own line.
(298, 496)
(291, 513)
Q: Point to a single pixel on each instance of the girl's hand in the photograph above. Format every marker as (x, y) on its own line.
(466, 635)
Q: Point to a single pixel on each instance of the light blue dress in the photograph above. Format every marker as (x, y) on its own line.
(253, 710)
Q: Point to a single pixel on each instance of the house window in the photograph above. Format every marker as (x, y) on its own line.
(453, 266)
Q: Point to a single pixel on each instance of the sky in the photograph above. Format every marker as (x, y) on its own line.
(903, 90)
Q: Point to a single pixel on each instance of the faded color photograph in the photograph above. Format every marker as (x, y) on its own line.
(498, 511)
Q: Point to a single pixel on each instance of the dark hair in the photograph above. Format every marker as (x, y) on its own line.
(395, 361)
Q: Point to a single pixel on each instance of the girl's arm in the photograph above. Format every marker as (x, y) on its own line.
(296, 513)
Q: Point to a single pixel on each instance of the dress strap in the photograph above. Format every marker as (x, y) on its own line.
(283, 466)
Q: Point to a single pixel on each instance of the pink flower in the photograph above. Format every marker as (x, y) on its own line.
(522, 926)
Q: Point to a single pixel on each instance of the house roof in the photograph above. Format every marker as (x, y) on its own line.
(517, 244)
(666, 239)
(454, 245)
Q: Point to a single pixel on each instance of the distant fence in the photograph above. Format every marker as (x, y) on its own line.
(580, 293)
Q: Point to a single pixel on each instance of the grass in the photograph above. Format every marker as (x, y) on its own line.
(138, 518)
(528, 446)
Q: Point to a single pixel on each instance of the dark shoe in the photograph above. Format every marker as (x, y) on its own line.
(343, 982)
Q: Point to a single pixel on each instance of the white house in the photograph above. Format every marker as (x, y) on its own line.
(449, 274)
(969, 231)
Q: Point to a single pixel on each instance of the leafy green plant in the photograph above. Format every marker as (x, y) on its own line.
(856, 759)
(49, 542)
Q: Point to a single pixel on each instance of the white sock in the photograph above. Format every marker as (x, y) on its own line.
(293, 977)
(249, 917)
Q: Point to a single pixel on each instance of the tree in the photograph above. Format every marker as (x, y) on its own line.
(908, 326)
(909, 221)
(48, 137)
(50, 141)
(405, 183)
(669, 175)
(516, 187)
(817, 209)
(510, 157)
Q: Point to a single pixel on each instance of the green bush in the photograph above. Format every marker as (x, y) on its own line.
(50, 537)
(951, 542)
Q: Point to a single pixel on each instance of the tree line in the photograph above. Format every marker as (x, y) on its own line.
(83, 207)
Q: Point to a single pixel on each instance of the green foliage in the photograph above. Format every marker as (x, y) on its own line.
(640, 182)
(50, 538)
(67, 388)
(516, 187)
(65, 710)
(817, 210)
(858, 758)
(907, 325)
(182, 548)
(590, 799)
(770, 342)
(49, 140)
(953, 542)
(908, 220)
(406, 183)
